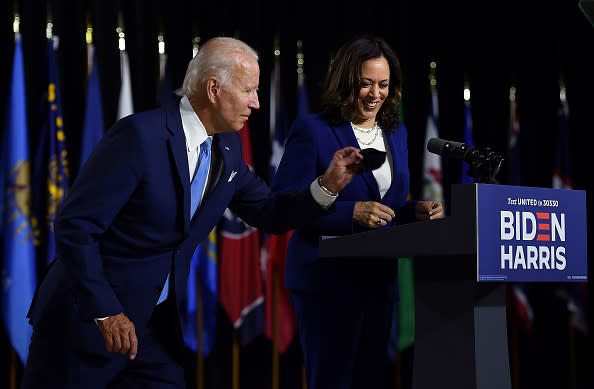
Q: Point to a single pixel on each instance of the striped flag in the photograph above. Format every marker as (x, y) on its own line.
(274, 247)
(576, 294)
(519, 294)
(432, 185)
(240, 277)
(18, 251)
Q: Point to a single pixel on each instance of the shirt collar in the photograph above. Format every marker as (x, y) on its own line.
(193, 128)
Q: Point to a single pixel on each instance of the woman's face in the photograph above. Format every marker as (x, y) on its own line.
(375, 82)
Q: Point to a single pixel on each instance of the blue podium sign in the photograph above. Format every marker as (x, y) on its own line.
(531, 234)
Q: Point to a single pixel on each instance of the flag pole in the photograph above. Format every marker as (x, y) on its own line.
(162, 57)
(199, 327)
(90, 47)
(571, 318)
(275, 281)
(275, 354)
(235, 361)
(120, 32)
(12, 376)
(515, 371)
(300, 80)
(300, 61)
(572, 358)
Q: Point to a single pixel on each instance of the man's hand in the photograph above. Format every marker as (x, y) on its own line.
(428, 210)
(120, 334)
(342, 169)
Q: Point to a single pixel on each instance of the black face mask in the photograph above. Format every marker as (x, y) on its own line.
(372, 159)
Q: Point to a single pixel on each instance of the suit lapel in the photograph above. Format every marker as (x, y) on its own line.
(177, 147)
(346, 137)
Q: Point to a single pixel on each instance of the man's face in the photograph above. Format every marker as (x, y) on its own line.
(239, 97)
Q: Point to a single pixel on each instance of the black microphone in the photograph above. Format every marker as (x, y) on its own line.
(484, 164)
(454, 150)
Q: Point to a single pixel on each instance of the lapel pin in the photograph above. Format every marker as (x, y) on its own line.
(227, 148)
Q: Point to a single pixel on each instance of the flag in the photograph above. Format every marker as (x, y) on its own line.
(93, 127)
(519, 294)
(577, 303)
(203, 272)
(402, 332)
(302, 99)
(240, 277)
(519, 307)
(432, 186)
(562, 169)
(165, 90)
(468, 140)
(575, 293)
(274, 247)
(513, 165)
(18, 251)
(125, 104)
(51, 175)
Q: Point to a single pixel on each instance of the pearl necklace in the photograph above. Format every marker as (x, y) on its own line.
(366, 131)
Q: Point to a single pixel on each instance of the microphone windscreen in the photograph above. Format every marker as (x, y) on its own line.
(435, 145)
(372, 159)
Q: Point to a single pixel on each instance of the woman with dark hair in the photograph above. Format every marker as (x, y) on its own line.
(344, 307)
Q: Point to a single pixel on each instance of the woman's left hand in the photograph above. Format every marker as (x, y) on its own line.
(428, 210)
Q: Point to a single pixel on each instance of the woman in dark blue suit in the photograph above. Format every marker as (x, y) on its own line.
(344, 307)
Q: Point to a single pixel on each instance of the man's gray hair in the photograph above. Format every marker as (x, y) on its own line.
(217, 58)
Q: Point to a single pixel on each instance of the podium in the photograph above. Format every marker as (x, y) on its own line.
(461, 327)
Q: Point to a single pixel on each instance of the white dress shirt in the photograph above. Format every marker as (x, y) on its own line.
(195, 134)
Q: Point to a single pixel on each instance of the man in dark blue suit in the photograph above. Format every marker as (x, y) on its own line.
(107, 312)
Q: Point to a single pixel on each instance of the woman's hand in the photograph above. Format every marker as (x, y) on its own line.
(372, 214)
(428, 210)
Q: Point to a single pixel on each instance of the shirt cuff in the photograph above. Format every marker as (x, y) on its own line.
(321, 196)
(100, 319)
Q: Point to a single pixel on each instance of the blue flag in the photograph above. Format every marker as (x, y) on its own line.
(18, 251)
(302, 100)
(203, 273)
(464, 177)
(93, 123)
(51, 170)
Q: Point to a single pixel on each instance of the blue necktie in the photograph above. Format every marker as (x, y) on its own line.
(196, 189)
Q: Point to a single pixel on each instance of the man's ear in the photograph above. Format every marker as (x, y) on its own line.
(213, 88)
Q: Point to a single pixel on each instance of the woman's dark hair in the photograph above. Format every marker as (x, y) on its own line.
(343, 81)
